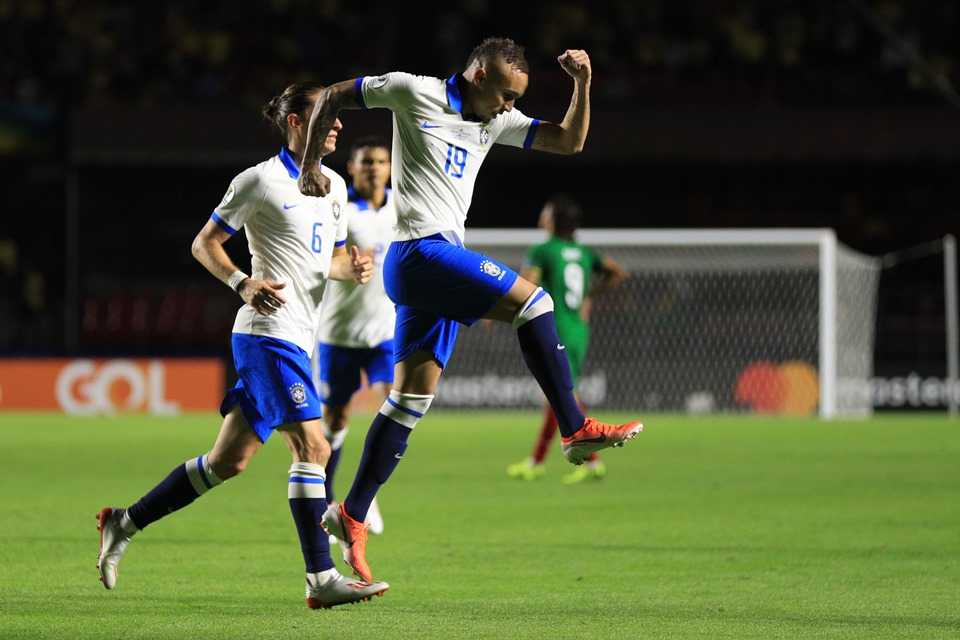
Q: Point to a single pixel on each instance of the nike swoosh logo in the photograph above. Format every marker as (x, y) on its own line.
(290, 206)
(601, 438)
(398, 456)
(560, 347)
(425, 125)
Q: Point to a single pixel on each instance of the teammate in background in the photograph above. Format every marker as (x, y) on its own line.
(443, 130)
(356, 326)
(296, 243)
(563, 267)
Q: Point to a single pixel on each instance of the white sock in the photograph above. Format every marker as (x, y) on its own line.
(335, 439)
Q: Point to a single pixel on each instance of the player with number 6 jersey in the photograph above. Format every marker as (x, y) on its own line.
(279, 220)
(296, 243)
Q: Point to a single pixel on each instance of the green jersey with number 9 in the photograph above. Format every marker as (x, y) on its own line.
(565, 268)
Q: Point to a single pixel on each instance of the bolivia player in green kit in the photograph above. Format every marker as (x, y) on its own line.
(563, 268)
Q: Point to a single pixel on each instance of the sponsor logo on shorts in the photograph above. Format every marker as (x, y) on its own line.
(490, 268)
(298, 394)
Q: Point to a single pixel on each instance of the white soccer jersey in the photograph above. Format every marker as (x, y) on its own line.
(436, 152)
(291, 238)
(361, 315)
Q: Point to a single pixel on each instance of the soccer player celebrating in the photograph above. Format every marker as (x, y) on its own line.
(296, 242)
(563, 267)
(356, 326)
(443, 130)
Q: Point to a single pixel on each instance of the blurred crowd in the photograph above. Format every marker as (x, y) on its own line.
(86, 52)
(28, 320)
(57, 56)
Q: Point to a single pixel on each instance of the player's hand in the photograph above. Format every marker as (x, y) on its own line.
(263, 295)
(312, 182)
(576, 63)
(585, 310)
(361, 266)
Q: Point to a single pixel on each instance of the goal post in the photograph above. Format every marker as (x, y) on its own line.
(709, 321)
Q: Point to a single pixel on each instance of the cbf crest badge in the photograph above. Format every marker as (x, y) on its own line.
(491, 269)
(335, 208)
(484, 135)
(298, 393)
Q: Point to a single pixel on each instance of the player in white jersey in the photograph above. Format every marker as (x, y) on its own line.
(356, 326)
(296, 243)
(442, 132)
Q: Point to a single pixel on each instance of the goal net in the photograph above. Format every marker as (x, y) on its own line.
(709, 321)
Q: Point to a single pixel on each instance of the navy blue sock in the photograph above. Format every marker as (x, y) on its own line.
(307, 504)
(331, 470)
(382, 450)
(547, 361)
(185, 484)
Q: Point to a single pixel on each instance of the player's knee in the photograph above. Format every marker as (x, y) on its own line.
(316, 451)
(335, 421)
(227, 468)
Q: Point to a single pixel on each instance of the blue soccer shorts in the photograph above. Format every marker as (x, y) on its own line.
(340, 370)
(437, 284)
(275, 386)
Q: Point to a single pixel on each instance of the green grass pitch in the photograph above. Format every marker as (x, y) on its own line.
(705, 527)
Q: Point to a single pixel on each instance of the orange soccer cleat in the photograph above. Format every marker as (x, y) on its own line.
(594, 436)
(352, 538)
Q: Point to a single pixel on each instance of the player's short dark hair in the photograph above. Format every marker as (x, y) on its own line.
(296, 98)
(370, 140)
(567, 214)
(500, 48)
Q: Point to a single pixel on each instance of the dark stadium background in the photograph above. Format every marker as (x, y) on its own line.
(121, 126)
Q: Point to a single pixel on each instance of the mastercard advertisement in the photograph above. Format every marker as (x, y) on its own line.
(790, 388)
(107, 386)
